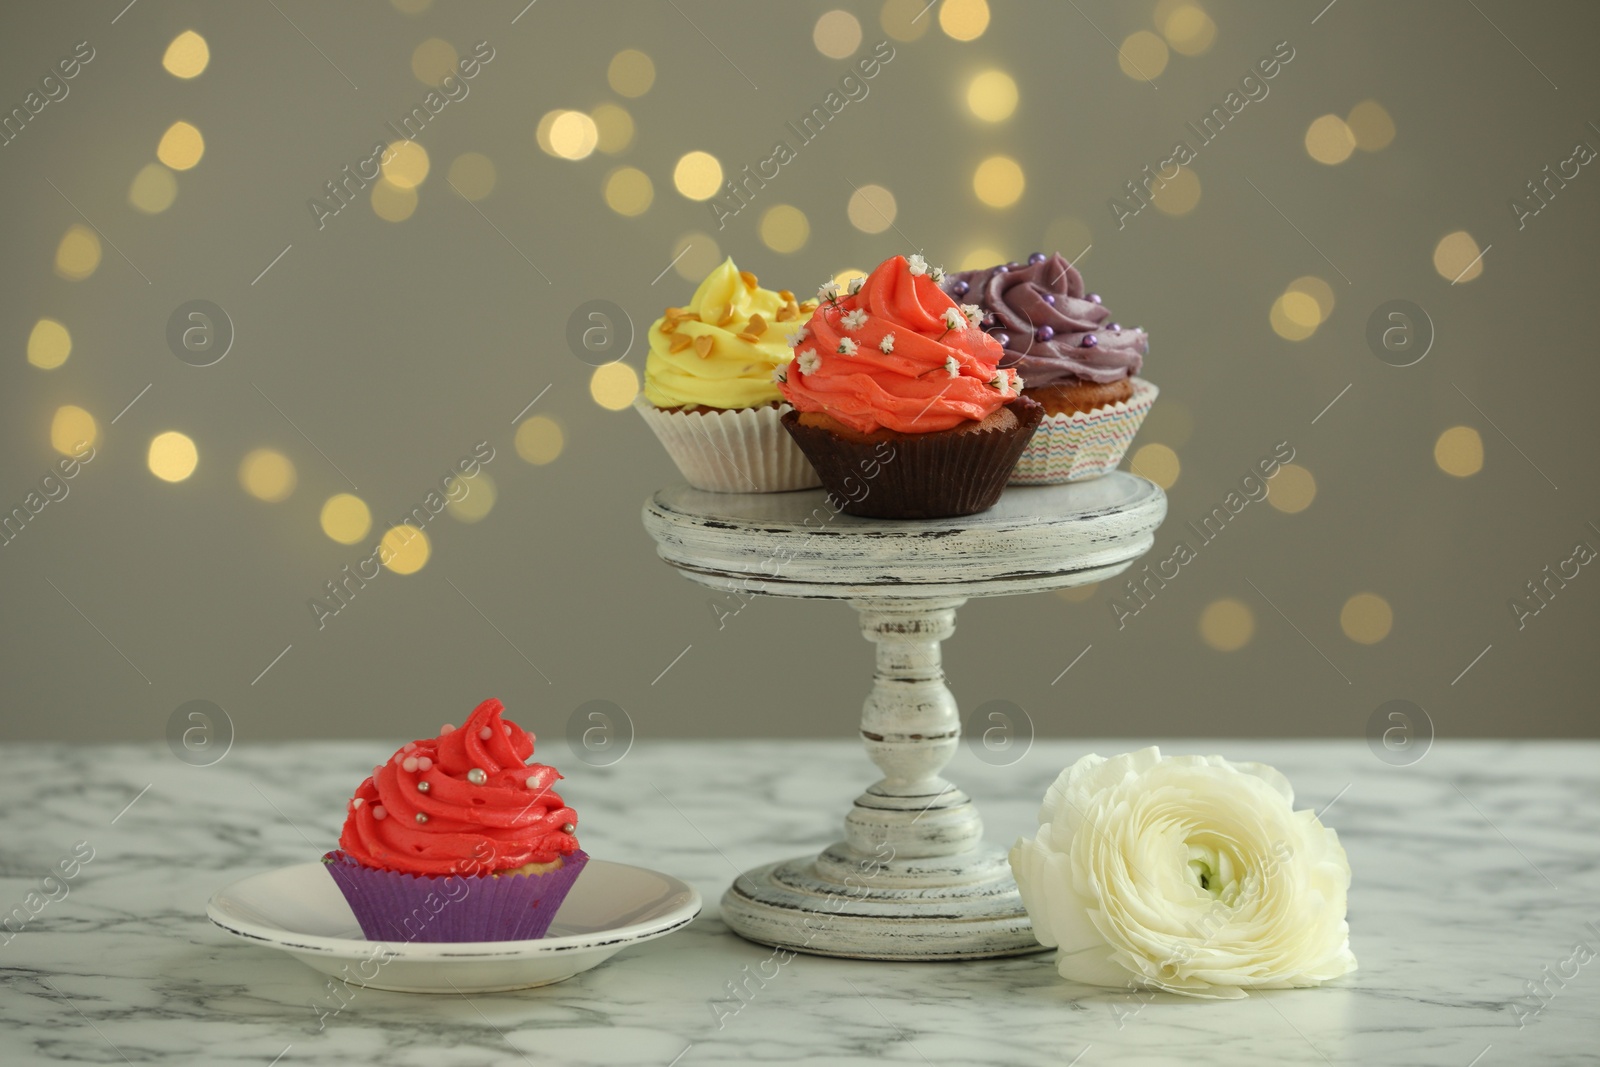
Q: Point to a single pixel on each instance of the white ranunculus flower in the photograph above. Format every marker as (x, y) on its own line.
(1185, 873)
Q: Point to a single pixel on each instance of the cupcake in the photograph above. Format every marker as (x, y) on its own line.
(709, 393)
(899, 400)
(1076, 362)
(458, 838)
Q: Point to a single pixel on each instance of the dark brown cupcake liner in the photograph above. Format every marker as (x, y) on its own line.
(938, 475)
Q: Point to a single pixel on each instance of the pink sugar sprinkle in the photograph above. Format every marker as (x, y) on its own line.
(378, 812)
(357, 802)
(424, 763)
(446, 728)
(507, 728)
(410, 764)
(486, 733)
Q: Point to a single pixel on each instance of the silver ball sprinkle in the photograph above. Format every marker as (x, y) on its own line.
(477, 776)
(421, 817)
(422, 787)
(568, 828)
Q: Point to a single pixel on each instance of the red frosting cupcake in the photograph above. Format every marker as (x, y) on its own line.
(459, 838)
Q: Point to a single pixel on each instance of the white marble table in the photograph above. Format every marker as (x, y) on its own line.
(1474, 870)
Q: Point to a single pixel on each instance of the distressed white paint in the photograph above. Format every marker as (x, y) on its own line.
(913, 878)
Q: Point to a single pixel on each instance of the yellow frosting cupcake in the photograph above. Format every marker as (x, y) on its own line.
(721, 350)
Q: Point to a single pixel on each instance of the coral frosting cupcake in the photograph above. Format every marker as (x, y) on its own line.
(458, 838)
(899, 399)
(1076, 362)
(709, 394)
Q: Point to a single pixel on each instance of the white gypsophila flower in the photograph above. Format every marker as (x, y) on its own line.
(973, 313)
(847, 347)
(780, 375)
(854, 320)
(1016, 384)
(809, 361)
(854, 285)
(919, 266)
(887, 344)
(953, 319)
(937, 274)
(951, 367)
(1189, 874)
(798, 336)
(999, 382)
(828, 290)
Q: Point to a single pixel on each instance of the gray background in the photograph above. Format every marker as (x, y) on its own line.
(396, 346)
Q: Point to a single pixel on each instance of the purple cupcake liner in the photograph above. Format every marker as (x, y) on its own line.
(396, 906)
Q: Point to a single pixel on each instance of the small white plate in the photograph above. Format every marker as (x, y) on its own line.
(300, 910)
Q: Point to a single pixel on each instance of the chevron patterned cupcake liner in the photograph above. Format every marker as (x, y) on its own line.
(1070, 448)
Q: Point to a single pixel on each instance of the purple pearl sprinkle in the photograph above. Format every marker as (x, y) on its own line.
(1002, 268)
(1094, 298)
(1037, 257)
(1044, 333)
(989, 322)
(1002, 337)
(1013, 265)
(1090, 341)
(958, 288)
(1115, 327)
(1050, 298)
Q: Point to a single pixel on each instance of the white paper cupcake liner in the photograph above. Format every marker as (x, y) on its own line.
(741, 451)
(1086, 444)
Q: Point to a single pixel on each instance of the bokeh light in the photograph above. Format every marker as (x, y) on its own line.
(872, 209)
(1366, 618)
(614, 385)
(992, 96)
(837, 34)
(998, 181)
(843, 277)
(407, 165)
(404, 549)
(1158, 463)
(980, 257)
(187, 56)
(1292, 489)
(1459, 451)
(72, 427)
(267, 474)
(1143, 56)
(698, 175)
(181, 146)
(172, 456)
(694, 255)
(478, 501)
(1329, 140)
(1227, 624)
(539, 440)
(391, 202)
(573, 135)
(49, 344)
(1371, 126)
(473, 175)
(346, 518)
(78, 254)
(905, 20)
(1316, 289)
(1457, 257)
(153, 189)
(785, 228)
(964, 20)
(1187, 27)
(1179, 195)
(433, 60)
(631, 73)
(628, 191)
(1294, 316)
(613, 128)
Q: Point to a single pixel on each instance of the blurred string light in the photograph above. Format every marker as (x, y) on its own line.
(478, 501)
(1329, 140)
(964, 20)
(785, 228)
(872, 209)
(573, 135)
(1459, 451)
(1142, 56)
(345, 518)
(1366, 618)
(992, 96)
(1457, 257)
(1227, 625)
(408, 549)
(837, 34)
(391, 202)
(842, 279)
(698, 175)
(153, 189)
(694, 255)
(473, 175)
(407, 166)
(433, 60)
(1158, 463)
(1371, 126)
(613, 128)
(181, 147)
(187, 56)
(628, 191)
(998, 181)
(1301, 308)
(1292, 489)
(539, 440)
(172, 456)
(70, 427)
(980, 257)
(1179, 194)
(1186, 26)
(49, 344)
(631, 73)
(78, 254)
(267, 474)
(614, 385)
(905, 20)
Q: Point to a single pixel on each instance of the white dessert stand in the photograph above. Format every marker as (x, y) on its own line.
(913, 879)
